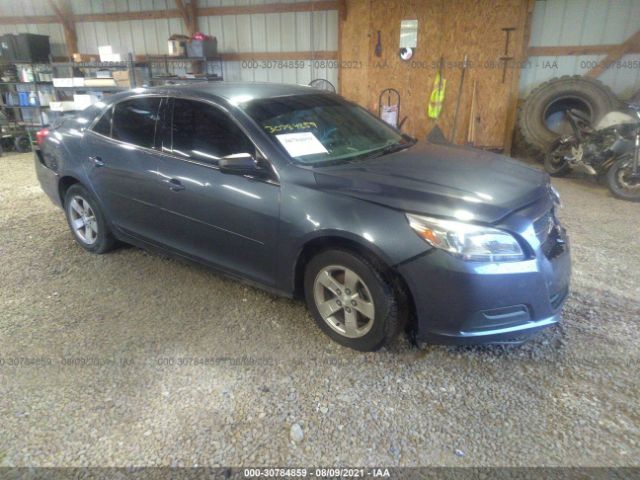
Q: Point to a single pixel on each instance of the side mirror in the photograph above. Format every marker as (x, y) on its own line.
(240, 164)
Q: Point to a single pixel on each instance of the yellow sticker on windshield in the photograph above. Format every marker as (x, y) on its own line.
(290, 127)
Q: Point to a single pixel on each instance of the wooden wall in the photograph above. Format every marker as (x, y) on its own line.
(451, 28)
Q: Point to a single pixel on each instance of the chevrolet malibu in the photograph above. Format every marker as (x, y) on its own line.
(307, 195)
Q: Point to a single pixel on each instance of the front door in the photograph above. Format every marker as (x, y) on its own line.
(225, 219)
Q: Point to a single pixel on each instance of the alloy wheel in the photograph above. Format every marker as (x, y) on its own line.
(83, 220)
(344, 301)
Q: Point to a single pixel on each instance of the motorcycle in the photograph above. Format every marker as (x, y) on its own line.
(609, 150)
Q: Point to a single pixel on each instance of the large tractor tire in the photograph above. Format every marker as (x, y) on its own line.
(542, 120)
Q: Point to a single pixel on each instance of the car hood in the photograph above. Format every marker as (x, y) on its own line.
(439, 180)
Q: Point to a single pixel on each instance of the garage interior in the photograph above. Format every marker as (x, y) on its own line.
(137, 359)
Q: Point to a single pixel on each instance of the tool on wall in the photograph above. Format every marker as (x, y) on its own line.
(505, 58)
(473, 115)
(390, 113)
(379, 46)
(437, 95)
(455, 116)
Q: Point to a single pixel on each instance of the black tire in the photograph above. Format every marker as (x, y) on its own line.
(553, 97)
(104, 240)
(387, 321)
(22, 144)
(552, 164)
(614, 174)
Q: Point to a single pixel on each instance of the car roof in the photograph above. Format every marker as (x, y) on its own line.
(231, 90)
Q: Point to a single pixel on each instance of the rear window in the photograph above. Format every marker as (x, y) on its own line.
(134, 121)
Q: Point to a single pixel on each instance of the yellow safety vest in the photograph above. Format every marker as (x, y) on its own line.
(437, 97)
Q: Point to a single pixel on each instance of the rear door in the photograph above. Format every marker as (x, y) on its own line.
(225, 219)
(122, 164)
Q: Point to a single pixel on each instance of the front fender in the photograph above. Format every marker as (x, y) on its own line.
(308, 214)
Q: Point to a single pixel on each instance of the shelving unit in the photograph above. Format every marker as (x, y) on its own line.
(163, 68)
(14, 108)
(87, 69)
(156, 70)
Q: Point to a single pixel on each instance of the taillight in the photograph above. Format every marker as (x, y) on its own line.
(41, 135)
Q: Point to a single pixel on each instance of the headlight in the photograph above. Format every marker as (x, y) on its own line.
(467, 241)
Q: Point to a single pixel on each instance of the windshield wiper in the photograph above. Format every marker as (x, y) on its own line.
(378, 152)
(395, 147)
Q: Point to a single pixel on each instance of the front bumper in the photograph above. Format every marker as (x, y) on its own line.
(461, 302)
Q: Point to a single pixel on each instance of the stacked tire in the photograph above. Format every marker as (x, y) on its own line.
(594, 98)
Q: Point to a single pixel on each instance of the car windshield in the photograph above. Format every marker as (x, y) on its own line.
(323, 129)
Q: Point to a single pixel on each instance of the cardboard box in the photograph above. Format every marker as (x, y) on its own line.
(104, 52)
(107, 54)
(99, 82)
(63, 82)
(84, 58)
(82, 101)
(122, 78)
(177, 45)
(66, 106)
(176, 48)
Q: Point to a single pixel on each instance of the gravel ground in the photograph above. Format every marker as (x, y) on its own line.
(134, 359)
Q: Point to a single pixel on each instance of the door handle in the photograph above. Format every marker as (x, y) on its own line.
(175, 185)
(97, 161)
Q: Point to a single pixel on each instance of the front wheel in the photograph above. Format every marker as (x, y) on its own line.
(86, 220)
(556, 161)
(621, 180)
(352, 300)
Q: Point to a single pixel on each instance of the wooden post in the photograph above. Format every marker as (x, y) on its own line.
(342, 10)
(194, 16)
(614, 54)
(64, 14)
(189, 14)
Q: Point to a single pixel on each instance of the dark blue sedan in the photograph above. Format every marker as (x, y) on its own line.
(307, 195)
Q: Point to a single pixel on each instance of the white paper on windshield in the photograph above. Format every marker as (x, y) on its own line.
(301, 143)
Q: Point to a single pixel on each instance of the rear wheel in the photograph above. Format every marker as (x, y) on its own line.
(86, 220)
(351, 300)
(556, 161)
(621, 180)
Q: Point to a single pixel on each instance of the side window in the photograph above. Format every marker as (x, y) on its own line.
(134, 121)
(205, 133)
(103, 127)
